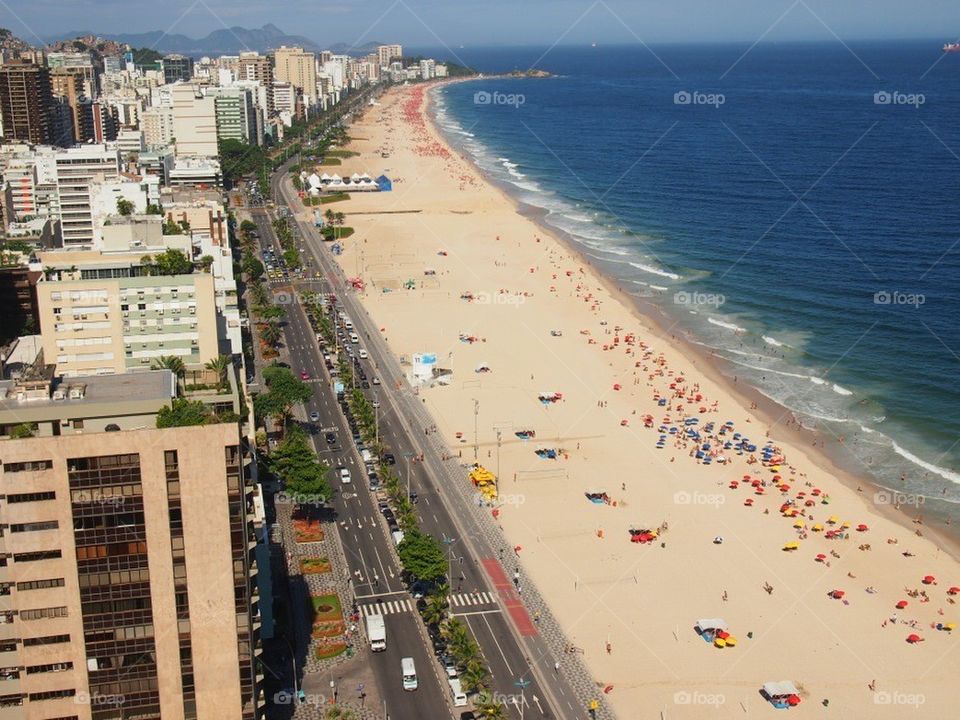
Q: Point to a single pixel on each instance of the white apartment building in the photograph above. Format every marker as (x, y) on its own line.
(130, 142)
(194, 121)
(76, 168)
(388, 53)
(157, 126)
(194, 171)
(31, 176)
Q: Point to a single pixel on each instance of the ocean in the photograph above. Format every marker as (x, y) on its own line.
(792, 206)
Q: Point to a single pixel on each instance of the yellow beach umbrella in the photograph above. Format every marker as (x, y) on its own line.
(731, 641)
(799, 524)
(791, 545)
(949, 626)
(817, 528)
(833, 520)
(720, 642)
(845, 525)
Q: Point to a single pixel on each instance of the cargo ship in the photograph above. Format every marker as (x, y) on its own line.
(952, 47)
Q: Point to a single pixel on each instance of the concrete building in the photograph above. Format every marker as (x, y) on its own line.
(284, 98)
(236, 114)
(157, 126)
(176, 68)
(76, 167)
(428, 68)
(77, 63)
(299, 68)
(130, 142)
(26, 100)
(204, 171)
(256, 67)
(31, 177)
(194, 121)
(128, 570)
(388, 53)
(104, 317)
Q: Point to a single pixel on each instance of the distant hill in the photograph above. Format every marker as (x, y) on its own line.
(220, 42)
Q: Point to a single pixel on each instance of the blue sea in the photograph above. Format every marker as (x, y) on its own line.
(793, 207)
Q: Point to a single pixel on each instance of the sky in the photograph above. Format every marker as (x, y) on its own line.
(496, 22)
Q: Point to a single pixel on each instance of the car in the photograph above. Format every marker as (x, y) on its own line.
(413, 498)
(304, 375)
(330, 438)
(373, 480)
(363, 354)
(389, 516)
(468, 715)
(314, 416)
(364, 384)
(389, 459)
(394, 527)
(376, 381)
(376, 405)
(345, 476)
(383, 505)
(449, 665)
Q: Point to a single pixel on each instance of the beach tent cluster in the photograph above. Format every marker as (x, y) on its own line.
(714, 631)
(781, 694)
(316, 184)
(485, 482)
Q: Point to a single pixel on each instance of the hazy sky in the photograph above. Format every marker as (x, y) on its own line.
(490, 22)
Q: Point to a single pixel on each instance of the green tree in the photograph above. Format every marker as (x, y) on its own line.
(271, 334)
(154, 209)
(474, 675)
(23, 430)
(183, 412)
(252, 267)
(295, 462)
(422, 556)
(206, 262)
(220, 365)
(169, 362)
(172, 262)
(283, 392)
(124, 206)
(488, 708)
(248, 226)
(172, 228)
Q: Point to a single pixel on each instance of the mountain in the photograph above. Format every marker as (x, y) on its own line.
(220, 42)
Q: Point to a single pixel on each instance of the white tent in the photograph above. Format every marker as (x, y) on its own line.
(780, 688)
(314, 180)
(355, 177)
(335, 178)
(324, 177)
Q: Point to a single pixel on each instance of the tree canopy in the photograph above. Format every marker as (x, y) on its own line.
(183, 412)
(284, 390)
(170, 262)
(422, 556)
(295, 462)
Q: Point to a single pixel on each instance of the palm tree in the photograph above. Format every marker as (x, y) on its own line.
(474, 675)
(169, 362)
(259, 293)
(220, 365)
(435, 610)
(270, 334)
(489, 709)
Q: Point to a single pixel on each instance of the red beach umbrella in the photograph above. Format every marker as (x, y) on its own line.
(914, 638)
(837, 594)
(953, 591)
(821, 557)
(793, 700)
(929, 580)
(902, 604)
(862, 528)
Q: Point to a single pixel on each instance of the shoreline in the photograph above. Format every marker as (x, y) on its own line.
(768, 411)
(592, 585)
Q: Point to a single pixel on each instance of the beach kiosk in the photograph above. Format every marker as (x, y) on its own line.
(781, 694)
(384, 183)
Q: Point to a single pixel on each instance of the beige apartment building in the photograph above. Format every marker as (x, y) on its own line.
(299, 68)
(126, 559)
(94, 321)
(194, 121)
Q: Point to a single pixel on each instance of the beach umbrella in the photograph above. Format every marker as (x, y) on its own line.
(837, 594)
(809, 503)
(748, 502)
(950, 626)
(929, 580)
(799, 524)
(902, 604)
(723, 634)
(821, 557)
(793, 700)
(720, 642)
(731, 641)
(914, 638)
(953, 591)
(833, 520)
(862, 528)
(817, 528)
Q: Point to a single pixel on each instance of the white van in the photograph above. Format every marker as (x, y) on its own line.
(366, 456)
(409, 671)
(354, 338)
(348, 323)
(459, 696)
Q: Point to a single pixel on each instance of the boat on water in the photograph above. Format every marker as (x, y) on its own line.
(952, 47)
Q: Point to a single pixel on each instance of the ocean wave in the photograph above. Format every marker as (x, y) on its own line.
(841, 390)
(945, 473)
(578, 218)
(661, 288)
(655, 271)
(772, 341)
(724, 324)
(817, 380)
(767, 369)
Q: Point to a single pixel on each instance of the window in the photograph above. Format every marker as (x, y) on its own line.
(43, 613)
(28, 466)
(37, 555)
(52, 694)
(77, 424)
(39, 584)
(46, 640)
(49, 667)
(34, 526)
(31, 497)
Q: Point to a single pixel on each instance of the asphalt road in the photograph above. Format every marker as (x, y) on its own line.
(507, 654)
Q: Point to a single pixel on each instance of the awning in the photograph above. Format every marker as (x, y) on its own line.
(712, 624)
(781, 688)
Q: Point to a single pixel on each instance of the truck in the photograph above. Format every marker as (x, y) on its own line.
(377, 632)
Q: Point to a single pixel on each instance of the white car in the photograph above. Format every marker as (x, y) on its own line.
(376, 403)
(345, 476)
(376, 381)
(363, 354)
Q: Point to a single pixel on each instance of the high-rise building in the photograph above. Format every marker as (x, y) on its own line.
(25, 102)
(126, 561)
(194, 121)
(389, 53)
(236, 114)
(176, 68)
(299, 68)
(76, 167)
(77, 63)
(253, 66)
(157, 125)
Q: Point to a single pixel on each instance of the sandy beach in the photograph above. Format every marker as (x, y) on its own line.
(490, 288)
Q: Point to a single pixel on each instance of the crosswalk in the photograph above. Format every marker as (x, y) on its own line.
(387, 607)
(459, 601)
(467, 599)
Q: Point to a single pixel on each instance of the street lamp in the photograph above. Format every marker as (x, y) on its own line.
(499, 433)
(476, 427)
(449, 543)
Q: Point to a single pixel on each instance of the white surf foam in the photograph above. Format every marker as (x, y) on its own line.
(945, 473)
(655, 271)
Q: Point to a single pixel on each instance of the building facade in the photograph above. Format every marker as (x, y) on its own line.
(26, 101)
(76, 167)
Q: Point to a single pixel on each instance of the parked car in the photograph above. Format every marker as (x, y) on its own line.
(314, 416)
(345, 476)
(389, 459)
